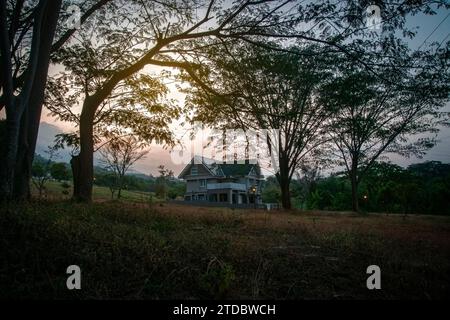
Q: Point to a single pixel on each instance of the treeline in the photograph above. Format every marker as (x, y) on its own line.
(170, 188)
(45, 169)
(422, 188)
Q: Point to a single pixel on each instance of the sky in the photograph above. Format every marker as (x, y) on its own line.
(430, 28)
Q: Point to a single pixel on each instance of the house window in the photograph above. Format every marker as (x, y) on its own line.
(194, 171)
(203, 183)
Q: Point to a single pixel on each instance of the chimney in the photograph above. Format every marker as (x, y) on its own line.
(247, 161)
(235, 161)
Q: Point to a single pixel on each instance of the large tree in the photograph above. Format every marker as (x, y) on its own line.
(138, 107)
(43, 18)
(396, 111)
(272, 90)
(156, 33)
(389, 67)
(28, 32)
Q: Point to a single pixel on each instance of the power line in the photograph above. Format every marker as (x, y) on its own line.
(433, 31)
(440, 44)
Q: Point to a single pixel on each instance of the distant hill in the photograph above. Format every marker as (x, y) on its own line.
(46, 138)
(141, 175)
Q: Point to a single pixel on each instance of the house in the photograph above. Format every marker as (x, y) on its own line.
(239, 182)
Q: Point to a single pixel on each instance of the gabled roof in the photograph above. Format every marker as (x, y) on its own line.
(236, 169)
(207, 163)
(239, 168)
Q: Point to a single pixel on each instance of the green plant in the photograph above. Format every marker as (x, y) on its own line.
(217, 279)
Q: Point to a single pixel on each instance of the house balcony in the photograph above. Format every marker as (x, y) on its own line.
(227, 185)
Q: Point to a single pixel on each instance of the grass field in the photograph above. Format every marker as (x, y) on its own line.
(166, 251)
(53, 191)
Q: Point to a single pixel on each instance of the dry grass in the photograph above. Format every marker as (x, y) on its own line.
(434, 230)
(133, 250)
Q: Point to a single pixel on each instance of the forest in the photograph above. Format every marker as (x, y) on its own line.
(422, 188)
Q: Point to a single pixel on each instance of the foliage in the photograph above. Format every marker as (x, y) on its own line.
(380, 93)
(161, 188)
(217, 279)
(271, 191)
(420, 188)
(275, 90)
(102, 69)
(394, 111)
(41, 170)
(60, 171)
(176, 190)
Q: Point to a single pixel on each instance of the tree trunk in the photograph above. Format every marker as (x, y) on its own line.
(284, 181)
(11, 124)
(75, 165)
(10, 153)
(83, 189)
(22, 171)
(121, 178)
(285, 196)
(354, 183)
(32, 115)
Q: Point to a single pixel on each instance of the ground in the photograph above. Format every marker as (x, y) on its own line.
(166, 251)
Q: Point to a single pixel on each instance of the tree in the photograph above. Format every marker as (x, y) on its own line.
(379, 114)
(272, 90)
(342, 35)
(140, 107)
(307, 177)
(161, 188)
(40, 176)
(271, 193)
(58, 171)
(119, 155)
(41, 170)
(42, 22)
(176, 189)
(28, 31)
(158, 33)
(111, 181)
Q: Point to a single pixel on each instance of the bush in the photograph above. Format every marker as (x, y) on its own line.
(217, 279)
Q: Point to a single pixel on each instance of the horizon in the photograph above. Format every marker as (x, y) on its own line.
(180, 167)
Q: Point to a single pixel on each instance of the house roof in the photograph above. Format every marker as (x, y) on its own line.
(238, 168)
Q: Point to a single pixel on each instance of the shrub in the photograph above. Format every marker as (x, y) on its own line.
(217, 279)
